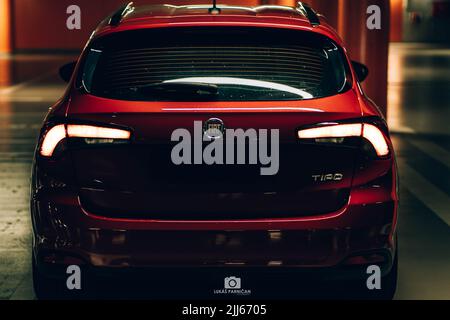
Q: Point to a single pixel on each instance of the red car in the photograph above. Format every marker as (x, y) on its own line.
(113, 189)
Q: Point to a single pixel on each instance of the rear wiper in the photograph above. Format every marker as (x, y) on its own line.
(178, 89)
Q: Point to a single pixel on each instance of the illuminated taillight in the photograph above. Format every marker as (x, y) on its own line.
(51, 140)
(85, 131)
(333, 131)
(368, 131)
(58, 133)
(376, 138)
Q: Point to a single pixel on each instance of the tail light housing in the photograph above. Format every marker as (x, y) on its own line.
(335, 132)
(51, 139)
(91, 134)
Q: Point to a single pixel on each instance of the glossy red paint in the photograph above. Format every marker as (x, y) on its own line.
(62, 224)
(188, 16)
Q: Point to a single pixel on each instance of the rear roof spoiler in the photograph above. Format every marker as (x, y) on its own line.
(309, 13)
(303, 8)
(117, 16)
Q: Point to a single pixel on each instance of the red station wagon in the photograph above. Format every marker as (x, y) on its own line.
(135, 168)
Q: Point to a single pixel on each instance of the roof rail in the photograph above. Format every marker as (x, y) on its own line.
(309, 13)
(117, 16)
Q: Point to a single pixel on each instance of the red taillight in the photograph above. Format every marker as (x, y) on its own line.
(51, 140)
(368, 131)
(332, 131)
(376, 138)
(58, 133)
(85, 131)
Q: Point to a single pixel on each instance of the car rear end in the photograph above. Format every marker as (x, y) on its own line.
(107, 194)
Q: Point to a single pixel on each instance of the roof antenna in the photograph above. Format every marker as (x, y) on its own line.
(214, 9)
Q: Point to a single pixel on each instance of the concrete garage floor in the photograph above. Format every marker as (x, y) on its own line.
(419, 101)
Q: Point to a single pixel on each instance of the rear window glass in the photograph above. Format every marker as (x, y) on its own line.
(215, 63)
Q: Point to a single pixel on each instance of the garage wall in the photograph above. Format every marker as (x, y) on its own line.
(41, 24)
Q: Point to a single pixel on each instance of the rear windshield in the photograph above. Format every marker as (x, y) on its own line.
(214, 63)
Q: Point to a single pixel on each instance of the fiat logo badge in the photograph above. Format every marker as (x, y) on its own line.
(213, 128)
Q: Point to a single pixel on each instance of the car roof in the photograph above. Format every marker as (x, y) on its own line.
(150, 16)
(190, 10)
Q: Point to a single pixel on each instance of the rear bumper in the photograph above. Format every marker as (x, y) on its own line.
(361, 233)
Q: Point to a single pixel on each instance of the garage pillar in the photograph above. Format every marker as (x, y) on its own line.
(5, 26)
(367, 46)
